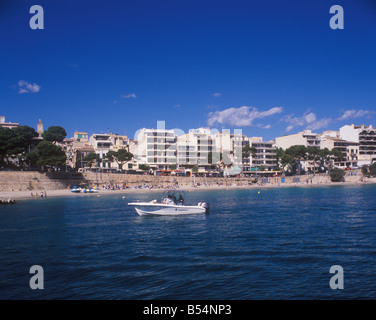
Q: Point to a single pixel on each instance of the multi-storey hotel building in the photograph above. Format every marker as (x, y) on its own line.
(156, 147)
(365, 137)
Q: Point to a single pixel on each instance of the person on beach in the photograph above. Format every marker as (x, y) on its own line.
(41, 194)
(45, 194)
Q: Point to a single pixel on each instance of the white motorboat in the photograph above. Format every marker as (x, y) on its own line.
(170, 205)
(90, 190)
(76, 190)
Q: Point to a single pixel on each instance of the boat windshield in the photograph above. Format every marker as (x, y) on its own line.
(173, 197)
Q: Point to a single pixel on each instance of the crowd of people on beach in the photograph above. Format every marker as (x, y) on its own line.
(42, 194)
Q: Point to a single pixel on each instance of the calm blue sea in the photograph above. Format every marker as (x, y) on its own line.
(276, 244)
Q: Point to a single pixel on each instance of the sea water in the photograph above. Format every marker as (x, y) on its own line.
(276, 243)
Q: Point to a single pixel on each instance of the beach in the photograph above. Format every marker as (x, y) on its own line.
(22, 195)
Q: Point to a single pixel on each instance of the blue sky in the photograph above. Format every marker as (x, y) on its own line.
(266, 67)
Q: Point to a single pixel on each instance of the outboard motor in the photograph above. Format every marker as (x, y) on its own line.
(205, 205)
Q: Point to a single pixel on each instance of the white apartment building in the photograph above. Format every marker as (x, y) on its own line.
(156, 147)
(104, 142)
(80, 137)
(365, 137)
(75, 148)
(163, 149)
(236, 151)
(223, 146)
(10, 125)
(265, 155)
(197, 148)
(101, 143)
(210, 149)
(350, 149)
(305, 138)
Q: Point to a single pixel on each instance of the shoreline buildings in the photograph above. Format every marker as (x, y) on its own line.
(264, 155)
(206, 150)
(350, 150)
(305, 138)
(156, 148)
(365, 138)
(8, 124)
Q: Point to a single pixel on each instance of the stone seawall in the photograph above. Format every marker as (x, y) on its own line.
(33, 180)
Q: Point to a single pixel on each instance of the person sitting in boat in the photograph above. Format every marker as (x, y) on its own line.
(180, 200)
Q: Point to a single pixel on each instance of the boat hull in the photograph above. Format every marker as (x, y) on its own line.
(166, 210)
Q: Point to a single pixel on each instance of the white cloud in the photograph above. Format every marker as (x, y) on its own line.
(26, 87)
(310, 117)
(241, 117)
(262, 126)
(289, 128)
(319, 124)
(216, 94)
(354, 114)
(308, 121)
(127, 96)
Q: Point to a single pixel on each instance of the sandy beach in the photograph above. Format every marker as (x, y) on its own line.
(22, 195)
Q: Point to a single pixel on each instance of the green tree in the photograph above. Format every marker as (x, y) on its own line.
(54, 134)
(334, 155)
(372, 169)
(248, 150)
(120, 157)
(279, 153)
(50, 155)
(365, 170)
(144, 167)
(32, 159)
(298, 153)
(337, 175)
(253, 151)
(337, 154)
(283, 159)
(313, 154)
(287, 160)
(91, 158)
(14, 142)
(326, 156)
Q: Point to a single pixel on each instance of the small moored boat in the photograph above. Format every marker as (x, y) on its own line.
(90, 190)
(76, 190)
(170, 205)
